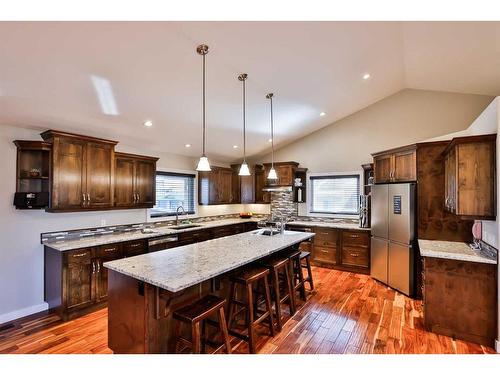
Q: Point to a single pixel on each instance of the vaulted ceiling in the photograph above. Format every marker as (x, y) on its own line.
(106, 79)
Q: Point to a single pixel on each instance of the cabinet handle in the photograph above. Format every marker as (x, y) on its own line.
(353, 236)
(354, 255)
(79, 255)
(98, 266)
(136, 245)
(88, 198)
(93, 267)
(84, 198)
(110, 249)
(324, 251)
(325, 233)
(138, 197)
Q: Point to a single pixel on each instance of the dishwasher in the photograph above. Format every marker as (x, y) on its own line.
(162, 243)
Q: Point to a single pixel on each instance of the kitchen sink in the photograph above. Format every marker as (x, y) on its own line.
(185, 226)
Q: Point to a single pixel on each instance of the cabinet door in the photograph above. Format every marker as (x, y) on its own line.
(99, 174)
(382, 166)
(105, 253)
(285, 175)
(405, 166)
(68, 174)
(79, 279)
(145, 175)
(247, 189)
(225, 186)
(124, 182)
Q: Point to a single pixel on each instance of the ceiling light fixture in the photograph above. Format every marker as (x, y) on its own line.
(366, 76)
(235, 146)
(244, 170)
(269, 140)
(187, 145)
(272, 172)
(322, 114)
(203, 164)
(148, 123)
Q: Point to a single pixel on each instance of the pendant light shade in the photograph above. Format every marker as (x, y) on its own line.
(272, 172)
(244, 171)
(203, 164)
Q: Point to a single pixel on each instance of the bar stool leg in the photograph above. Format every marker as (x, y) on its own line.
(195, 332)
(224, 331)
(302, 289)
(277, 297)
(232, 296)
(268, 306)
(291, 301)
(291, 272)
(309, 273)
(250, 319)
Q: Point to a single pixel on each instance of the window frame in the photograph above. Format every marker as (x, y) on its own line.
(158, 216)
(330, 175)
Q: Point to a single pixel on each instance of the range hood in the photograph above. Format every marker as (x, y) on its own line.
(277, 188)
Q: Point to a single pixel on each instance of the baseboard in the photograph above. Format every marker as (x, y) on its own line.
(497, 346)
(13, 315)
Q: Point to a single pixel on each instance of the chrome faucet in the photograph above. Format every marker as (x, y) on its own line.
(177, 214)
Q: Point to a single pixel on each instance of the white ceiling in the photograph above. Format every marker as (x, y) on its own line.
(153, 72)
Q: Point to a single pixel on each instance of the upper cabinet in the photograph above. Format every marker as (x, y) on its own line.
(86, 174)
(260, 182)
(244, 187)
(216, 186)
(397, 165)
(134, 180)
(285, 172)
(470, 175)
(82, 172)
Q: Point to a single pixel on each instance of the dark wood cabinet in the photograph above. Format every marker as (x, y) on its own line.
(79, 279)
(396, 165)
(105, 253)
(470, 177)
(460, 299)
(216, 186)
(285, 172)
(81, 172)
(344, 249)
(244, 187)
(260, 183)
(135, 180)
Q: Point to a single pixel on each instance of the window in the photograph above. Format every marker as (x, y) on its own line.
(173, 190)
(335, 194)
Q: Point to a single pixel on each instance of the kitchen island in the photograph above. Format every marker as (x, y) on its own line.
(144, 290)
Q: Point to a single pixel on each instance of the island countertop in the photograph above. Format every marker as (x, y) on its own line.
(181, 267)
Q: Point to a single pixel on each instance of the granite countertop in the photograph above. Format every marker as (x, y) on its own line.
(65, 245)
(181, 267)
(455, 251)
(324, 224)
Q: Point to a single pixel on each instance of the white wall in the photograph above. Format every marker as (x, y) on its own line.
(21, 254)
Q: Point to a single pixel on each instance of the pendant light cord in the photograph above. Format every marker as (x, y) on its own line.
(272, 134)
(244, 124)
(203, 105)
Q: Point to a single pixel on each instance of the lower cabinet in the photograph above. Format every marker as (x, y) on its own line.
(342, 249)
(76, 281)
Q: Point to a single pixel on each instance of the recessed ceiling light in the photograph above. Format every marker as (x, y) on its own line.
(148, 123)
(235, 146)
(366, 76)
(187, 145)
(322, 114)
(269, 140)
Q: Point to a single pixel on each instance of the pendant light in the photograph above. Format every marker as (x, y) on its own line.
(272, 172)
(203, 164)
(244, 171)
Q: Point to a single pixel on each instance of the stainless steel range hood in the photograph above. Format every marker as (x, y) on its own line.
(277, 188)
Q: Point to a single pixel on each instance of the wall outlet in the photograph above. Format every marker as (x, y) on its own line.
(103, 222)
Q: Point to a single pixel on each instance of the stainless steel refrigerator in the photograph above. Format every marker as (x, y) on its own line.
(393, 235)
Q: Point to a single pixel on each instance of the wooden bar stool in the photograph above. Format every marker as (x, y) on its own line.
(306, 256)
(197, 314)
(280, 270)
(248, 279)
(297, 278)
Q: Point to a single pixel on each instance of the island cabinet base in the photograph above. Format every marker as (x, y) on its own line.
(140, 314)
(459, 299)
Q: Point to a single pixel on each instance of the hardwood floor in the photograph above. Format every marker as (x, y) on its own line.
(348, 313)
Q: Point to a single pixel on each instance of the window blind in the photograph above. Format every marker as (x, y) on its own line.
(335, 194)
(173, 190)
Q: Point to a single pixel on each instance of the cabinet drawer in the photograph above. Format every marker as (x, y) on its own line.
(79, 256)
(325, 254)
(111, 250)
(325, 237)
(133, 248)
(355, 256)
(192, 237)
(355, 238)
(221, 232)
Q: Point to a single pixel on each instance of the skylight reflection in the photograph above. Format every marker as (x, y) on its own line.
(105, 95)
